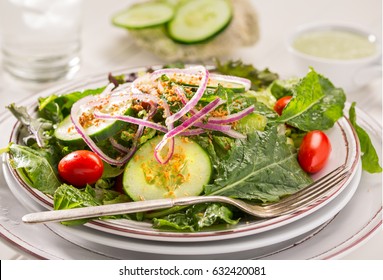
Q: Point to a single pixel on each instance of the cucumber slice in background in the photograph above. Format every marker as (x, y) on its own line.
(186, 174)
(199, 20)
(144, 15)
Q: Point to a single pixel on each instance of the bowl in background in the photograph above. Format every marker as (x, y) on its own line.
(348, 55)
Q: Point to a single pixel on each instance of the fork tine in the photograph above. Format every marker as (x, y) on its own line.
(311, 198)
(318, 187)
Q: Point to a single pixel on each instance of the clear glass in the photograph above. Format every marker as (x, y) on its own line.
(41, 38)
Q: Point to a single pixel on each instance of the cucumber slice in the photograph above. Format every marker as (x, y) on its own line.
(185, 174)
(199, 20)
(98, 130)
(144, 15)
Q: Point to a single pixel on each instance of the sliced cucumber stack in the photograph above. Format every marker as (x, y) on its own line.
(185, 174)
(186, 22)
(199, 20)
(144, 15)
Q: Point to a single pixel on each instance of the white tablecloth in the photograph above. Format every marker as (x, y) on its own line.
(106, 47)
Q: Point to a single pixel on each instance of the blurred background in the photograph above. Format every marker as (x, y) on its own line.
(105, 47)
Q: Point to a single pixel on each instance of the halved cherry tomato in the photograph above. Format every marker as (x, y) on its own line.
(80, 168)
(281, 104)
(314, 151)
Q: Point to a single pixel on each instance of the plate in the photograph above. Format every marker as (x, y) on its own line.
(347, 230)
(345, 150)
(122, 247)
(297, 230)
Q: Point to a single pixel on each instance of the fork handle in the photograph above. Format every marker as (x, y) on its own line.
(96, 211)
(111, 209)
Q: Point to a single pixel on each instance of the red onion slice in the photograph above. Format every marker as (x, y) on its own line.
(196, 97)
(235, 134)
(136, 82)
(231, 118)
(232, 79)
(185, 125)
(107, 91)
(131, 91)
(131, 120)
(166, 71)
(193, 119)
(75, 114)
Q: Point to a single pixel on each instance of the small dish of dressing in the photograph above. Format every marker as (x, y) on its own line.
(348, 55)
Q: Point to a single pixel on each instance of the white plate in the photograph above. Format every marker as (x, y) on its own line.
(116, 246)
(352, 226)
(294, 230)
(345, 149)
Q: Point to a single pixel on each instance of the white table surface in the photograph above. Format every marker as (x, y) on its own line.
(106, 48)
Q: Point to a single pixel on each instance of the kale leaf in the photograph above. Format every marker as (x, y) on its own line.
(262, 167)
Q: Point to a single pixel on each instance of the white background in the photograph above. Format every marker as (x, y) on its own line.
(106, 48)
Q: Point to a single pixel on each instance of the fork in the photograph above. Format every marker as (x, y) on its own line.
(309, 195)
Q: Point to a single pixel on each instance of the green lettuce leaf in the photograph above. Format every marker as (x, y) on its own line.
(69, 197)
(370, 159)
(39, 129)
(34, 168)
(260, 79)
(196, 217)
(316, 104)
(56, 107)
(282, 88)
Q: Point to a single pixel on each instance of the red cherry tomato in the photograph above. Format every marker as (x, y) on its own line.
(281, 104)
(314, 151)
(80, 168)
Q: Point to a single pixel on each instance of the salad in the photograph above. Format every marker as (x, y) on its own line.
(182, 131)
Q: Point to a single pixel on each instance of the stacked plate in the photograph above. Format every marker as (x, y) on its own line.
(296, 236)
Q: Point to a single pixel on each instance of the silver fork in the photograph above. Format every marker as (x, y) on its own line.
(308, 196)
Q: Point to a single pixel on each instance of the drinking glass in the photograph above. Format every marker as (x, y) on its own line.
(40, 39)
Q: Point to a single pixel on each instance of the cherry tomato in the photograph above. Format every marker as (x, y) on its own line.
(314, 151)
(281, 104)
(80, 168)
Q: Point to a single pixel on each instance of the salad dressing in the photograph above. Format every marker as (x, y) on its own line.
(335, 44)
